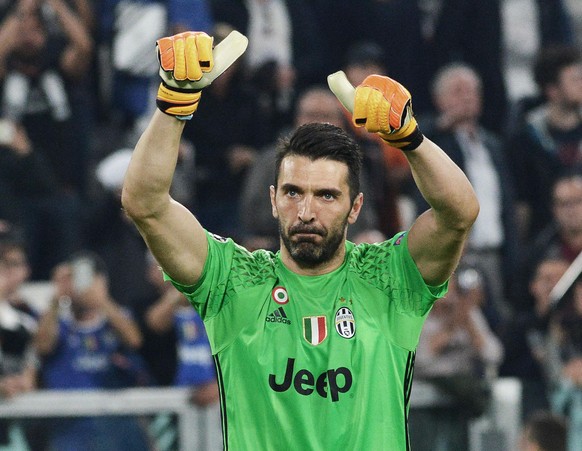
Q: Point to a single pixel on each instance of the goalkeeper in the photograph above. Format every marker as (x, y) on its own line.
(314, 345)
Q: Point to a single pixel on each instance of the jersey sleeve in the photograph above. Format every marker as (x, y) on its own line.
(410, 298)
(208, 294)
(404, 298)
(223, 296)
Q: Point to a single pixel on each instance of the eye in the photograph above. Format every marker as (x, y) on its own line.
(328, 196)
(292, 193)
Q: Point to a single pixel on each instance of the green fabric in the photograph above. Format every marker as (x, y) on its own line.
(290, 377)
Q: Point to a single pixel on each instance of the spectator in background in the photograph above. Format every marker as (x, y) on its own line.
(31, 201)
(127, 66)
(550, 23)
(87, 341)
(171, 314)
(18, 362)
(316, 104)
(108, 232)
(159, 346)
(394, 25)
(525, 338)
(457, 92)
(17, 272)
(566, 365)
(458, 340)
(44, 54)
(285, 53)
(195, 366)
(544, 431)
(38, 68)
(457, 352)
(549, 140)
(561, 238)
(469, 31)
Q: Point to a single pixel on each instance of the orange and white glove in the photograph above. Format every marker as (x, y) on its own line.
(384, 106)
(185, 57)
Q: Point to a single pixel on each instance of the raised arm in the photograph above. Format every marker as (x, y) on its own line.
(188, 63)
(172, 233)
(437, 237)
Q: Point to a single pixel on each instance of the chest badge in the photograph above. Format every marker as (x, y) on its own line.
(314, 329)
(279, 295)
(345, 325)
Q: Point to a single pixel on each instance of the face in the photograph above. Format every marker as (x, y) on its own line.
(319, 106)
(568, 90)
(62, 278)
(312, 205)
(459, 95)
(567, 205)
(15, 269)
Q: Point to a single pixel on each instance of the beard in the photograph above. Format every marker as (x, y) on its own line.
(306, 251)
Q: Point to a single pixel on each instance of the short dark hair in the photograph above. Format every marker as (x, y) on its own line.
(323, 141)
(547, 430)
(365, 53)
(551, 61)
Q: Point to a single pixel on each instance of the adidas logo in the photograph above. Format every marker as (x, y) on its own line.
(278, 316)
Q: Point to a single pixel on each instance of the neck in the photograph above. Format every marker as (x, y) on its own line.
(317, 270)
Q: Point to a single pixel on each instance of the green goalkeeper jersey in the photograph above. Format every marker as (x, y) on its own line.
(313, 362)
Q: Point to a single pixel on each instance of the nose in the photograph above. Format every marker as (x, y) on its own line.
(306, 213)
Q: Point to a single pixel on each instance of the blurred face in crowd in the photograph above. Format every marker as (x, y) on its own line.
(82, 302)
(319, 105)
(457, 94)
(567, 205)
(568, 89)
(14, 268)
(545, 279)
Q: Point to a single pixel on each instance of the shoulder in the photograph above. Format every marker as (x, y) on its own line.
(238, 260)
(375, 258)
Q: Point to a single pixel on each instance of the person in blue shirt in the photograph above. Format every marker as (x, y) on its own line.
(87, 341)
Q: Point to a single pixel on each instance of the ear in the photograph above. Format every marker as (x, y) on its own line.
(272, 194)
(356, 208)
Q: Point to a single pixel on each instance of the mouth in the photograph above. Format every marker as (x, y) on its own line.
(305, 233)
(305, 236)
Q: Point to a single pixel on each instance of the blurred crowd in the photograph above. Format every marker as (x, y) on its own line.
(497, 84)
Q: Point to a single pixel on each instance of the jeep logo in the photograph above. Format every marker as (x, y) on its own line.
(305, 383)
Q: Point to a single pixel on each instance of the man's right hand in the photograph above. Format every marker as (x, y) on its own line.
(184, 57)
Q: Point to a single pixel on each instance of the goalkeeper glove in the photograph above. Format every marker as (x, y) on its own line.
(384, 106)
(184, 57)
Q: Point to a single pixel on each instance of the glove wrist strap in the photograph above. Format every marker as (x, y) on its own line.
(410, 142)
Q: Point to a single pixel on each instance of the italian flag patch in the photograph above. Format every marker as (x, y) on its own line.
(314, 329)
